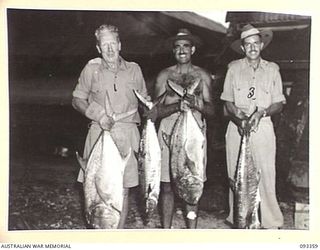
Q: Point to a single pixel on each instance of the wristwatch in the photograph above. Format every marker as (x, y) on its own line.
(264, 113)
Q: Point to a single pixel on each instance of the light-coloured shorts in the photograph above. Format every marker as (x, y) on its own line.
(125, 136)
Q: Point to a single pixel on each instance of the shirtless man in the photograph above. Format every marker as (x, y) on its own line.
(183, 73)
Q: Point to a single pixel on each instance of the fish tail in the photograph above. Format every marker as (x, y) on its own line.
(82, 162)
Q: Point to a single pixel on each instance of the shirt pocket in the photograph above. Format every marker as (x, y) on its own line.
(241, 95)
(264, 95)
(96, 91)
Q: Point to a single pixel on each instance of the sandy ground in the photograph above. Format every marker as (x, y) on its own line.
(43, 197)
(44, 193)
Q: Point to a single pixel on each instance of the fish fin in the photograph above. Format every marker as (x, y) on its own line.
(182, 91)
(179, 90)
(82, 161)
(136, 154)
(193, 86)
(166, 138)
(255, 110)
(146, 102)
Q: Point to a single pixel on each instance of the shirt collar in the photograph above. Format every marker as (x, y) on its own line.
(262, 64)
(122, 66)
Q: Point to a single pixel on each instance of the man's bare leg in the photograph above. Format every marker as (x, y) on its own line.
(192, 215)
(167, 204)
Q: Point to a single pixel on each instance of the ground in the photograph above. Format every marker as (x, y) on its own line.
(44, 194)
(47, 199)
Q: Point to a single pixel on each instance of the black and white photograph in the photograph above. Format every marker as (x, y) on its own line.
(161, 120)
(61, 100)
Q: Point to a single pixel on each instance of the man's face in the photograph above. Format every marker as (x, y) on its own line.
(109, 47)
(183, 49)
(252, 47)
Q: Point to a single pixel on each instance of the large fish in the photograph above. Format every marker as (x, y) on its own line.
(187, 151)
(103, 180)
(245, 187)
(149, 159)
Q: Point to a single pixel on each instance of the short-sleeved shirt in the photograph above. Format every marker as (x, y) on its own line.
(249, 88)
(96, 78)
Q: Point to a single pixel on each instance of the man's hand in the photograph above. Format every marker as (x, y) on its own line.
(160, 111)
(242, 121)
(242, 126)
(151, 114)
(106, 122)
(190, 100)
(255, 120)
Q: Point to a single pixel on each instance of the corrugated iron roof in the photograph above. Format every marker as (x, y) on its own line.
(263, 17)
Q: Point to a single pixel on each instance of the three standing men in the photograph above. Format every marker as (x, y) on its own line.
(251, 83)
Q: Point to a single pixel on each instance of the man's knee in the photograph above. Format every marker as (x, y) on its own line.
(126, 193)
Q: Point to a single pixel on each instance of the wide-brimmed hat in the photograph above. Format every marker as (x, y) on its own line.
(249, 30)
(185, 34)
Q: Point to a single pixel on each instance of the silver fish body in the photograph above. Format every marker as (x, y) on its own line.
(187, 152)
(103, 184)
(103, 177)
(187, 157)
(246, 188)
(149, 167)
(149, 163)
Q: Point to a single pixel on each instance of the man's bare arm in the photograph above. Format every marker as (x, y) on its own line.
(207, 109)
(274, 108)
(236, 115)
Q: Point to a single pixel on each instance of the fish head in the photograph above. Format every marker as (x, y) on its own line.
(104, 216)
(193, 86)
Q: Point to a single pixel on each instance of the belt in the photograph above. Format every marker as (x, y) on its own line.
(117, 124)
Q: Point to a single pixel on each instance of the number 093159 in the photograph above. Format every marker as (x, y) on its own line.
(308, 246)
